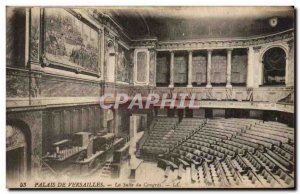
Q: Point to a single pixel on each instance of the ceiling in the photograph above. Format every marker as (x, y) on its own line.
(182, 23)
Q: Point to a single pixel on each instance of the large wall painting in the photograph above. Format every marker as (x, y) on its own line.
(70, 41)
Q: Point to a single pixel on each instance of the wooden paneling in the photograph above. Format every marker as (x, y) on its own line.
(62, 123)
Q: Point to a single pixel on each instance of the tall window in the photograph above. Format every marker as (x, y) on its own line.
(180, 69)
(199, 68)
(162, 69)
(239, 67)
(274, 61)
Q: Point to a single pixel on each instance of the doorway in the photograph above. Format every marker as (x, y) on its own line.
(15, 164)
(138, 123)
(17, 154)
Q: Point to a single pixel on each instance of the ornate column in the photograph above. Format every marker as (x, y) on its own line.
(102, 55)
(190, 71)
(208, 76)
(115, 122)
(257, 72)
(171, 70)
(290, 66)
(154, 79)
(228, 74)
(250, 68)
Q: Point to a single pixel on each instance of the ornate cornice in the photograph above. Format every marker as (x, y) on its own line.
(108, 34)
(256, 48)
(290, 43)
(117, 30)
(225, 43)
(150, 43)
(110, 24)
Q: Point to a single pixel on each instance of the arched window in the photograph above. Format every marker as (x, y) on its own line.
(274, 61)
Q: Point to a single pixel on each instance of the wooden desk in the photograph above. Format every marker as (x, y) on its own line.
(60, 165)
(121, 154)
(67, 154)
(92, 163)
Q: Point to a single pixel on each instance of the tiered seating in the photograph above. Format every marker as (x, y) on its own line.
(167, 133)
(156, 142)
(288, 147)
(285, 154)
(208, 179)
(233, 152)
(274, 131)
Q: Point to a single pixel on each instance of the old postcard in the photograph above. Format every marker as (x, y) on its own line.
(150, 97)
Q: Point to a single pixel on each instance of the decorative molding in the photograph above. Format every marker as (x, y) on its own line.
(110, 24)
(229, 93)
(291, 43)
(45, 62)
(256, 48)
(224, 43)
(136, 51)
(265, 48)
(144, 43)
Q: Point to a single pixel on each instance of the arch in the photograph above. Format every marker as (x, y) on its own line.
(26, 133)
(264, 50)
(274, 63)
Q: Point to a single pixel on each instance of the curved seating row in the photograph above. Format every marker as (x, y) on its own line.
(234, 153)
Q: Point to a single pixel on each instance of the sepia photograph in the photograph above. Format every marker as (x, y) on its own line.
(150, 97)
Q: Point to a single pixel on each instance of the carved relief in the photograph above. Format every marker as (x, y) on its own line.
(152, 67)
(249, 94)
(131, 61)
(229, 94)
(61, 87)
(17, 84)
(35, 90)
(209, 94)
(256, 48)
(124, 66)
(14, 137)
(144, 43)
(35, 34)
